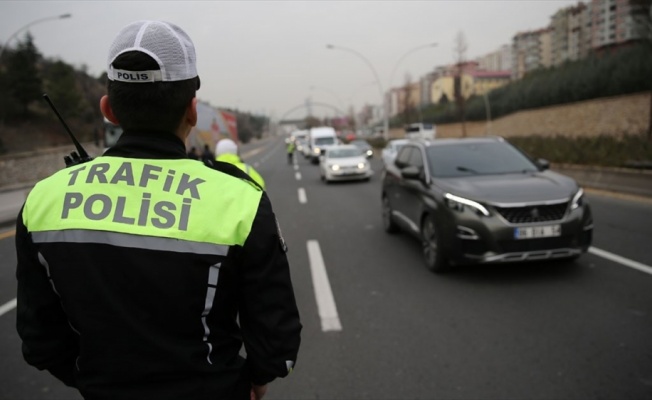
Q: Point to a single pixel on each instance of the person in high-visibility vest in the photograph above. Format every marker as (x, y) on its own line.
(290, 150)
(142, 273)
(226, 150)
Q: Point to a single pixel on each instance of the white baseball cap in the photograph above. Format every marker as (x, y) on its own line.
(165, 42)
(226, 146)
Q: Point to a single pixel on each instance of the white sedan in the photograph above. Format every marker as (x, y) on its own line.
(344, 162)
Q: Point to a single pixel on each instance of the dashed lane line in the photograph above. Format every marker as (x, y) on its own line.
(5, 308)
(302, 196)
(330, 321)
(7, 234)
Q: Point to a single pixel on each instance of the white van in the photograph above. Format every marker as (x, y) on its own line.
(319, 139)
(420, 131)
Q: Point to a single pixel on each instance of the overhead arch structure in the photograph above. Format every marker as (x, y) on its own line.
(318, 104)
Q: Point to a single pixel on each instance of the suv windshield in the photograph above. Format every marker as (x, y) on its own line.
(464, 159)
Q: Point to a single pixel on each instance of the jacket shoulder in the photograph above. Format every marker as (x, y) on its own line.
(231, 170)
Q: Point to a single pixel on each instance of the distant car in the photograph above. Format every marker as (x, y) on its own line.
(344, 162)
(482, 200)
(364, 147)
(388, 153)
(420, 130)
(302, 145)
(306, 150)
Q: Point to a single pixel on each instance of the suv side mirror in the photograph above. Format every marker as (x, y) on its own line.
(543, 164)
(411, 172)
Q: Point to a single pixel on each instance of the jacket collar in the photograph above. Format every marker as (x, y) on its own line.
(148, 144)
(230, 158)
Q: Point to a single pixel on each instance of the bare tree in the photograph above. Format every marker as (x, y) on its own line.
(407, 96)
(461, 46)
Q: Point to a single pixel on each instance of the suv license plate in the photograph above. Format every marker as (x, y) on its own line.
(532, 232)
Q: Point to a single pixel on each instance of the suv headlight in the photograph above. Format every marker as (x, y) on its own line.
(578, 199)
(335, 167)
(316, 150)
(458, 203)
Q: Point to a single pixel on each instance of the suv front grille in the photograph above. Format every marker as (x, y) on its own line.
(537, 213)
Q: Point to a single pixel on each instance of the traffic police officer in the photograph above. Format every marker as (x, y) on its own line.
(142, 273)
(290, 149)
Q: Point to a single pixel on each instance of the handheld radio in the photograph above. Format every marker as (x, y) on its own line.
(76, 157)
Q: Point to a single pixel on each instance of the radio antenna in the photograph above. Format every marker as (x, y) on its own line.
(80, 150)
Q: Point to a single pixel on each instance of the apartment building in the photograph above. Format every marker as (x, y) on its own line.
(615, 22)
(499, 60)
(486, 81)
(531, 50)
(472, 81)
(407, 96)
(579, 30)
(569, 36)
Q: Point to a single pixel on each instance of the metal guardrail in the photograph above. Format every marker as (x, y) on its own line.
(624, 180)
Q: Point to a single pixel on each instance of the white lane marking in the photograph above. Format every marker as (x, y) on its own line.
(296, 167)
(7, 234)
(298, 176)
(621, 260)
(330, 321)
(302, 196)
(5, 308)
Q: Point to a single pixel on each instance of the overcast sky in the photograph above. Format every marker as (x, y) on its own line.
(270, 56)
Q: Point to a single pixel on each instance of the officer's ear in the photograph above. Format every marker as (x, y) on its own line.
(107, 111)
(191, 112)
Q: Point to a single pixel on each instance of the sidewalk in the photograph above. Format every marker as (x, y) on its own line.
(10, 203)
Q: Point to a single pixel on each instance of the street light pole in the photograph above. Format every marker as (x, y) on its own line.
(13, 35)
(391, 76)
(380, 86)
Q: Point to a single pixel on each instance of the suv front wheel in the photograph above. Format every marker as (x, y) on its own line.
(433, 252)
(388, 221)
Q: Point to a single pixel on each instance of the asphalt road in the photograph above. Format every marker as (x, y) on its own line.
(378, 325)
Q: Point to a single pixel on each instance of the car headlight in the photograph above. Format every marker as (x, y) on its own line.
(370, 153)
(335, 167)
(362, 165)
(578, 199)
(316, 150)
(458, 203)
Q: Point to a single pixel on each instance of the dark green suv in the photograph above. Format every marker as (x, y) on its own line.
(482, 200)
